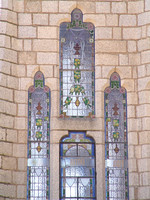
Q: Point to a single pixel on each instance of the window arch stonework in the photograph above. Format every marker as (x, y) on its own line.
(77, 63)
(116, 141)
(38, 170)
(77, 167)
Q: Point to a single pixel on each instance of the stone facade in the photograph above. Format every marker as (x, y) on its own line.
(29, 41)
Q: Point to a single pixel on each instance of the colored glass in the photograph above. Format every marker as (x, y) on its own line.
(77, 62)
(116, 145)
(38, 139)
(77, 167)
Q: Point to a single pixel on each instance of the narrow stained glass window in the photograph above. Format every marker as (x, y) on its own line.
(77, 167)
(116, 147)
(38, 171)
(77, 63)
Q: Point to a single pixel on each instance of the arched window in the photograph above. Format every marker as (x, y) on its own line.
(77, 167)
(38, 171)
(77, 63)
(116, 145)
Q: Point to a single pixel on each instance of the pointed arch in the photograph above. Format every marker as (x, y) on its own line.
(77, 167)
(116, 141)
(38, 170)
(77, 65)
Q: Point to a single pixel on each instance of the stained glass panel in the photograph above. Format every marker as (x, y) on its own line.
(116, 147)
(38, 139)
(77, 167)
(77, 66)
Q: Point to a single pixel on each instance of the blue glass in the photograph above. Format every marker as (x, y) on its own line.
(38, 171)
(77, 167)
(116, 143)
(77, 63)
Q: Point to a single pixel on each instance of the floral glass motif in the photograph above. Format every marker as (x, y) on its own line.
(77, 66)
(38, 170)
(116, 145)
(77, 167)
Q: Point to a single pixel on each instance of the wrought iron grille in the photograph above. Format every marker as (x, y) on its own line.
(77, 62)
(38, 140)
(77, 167)
(116, 145)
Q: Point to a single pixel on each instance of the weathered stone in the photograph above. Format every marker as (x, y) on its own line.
(40, 19)
(127, 20)
(9, 163)
(102, 7)
(27, 58)
(8, 191)
(19, 150)
(5, 176)
(118, 7)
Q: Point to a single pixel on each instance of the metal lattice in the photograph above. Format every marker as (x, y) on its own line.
(38, 140)
(77, 167)
(116, 147)
(77, 66)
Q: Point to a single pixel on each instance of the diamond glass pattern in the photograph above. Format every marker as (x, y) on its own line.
(77, 67)
(116, 148)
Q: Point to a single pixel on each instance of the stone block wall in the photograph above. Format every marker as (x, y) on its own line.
(12, 149)
(29, 41)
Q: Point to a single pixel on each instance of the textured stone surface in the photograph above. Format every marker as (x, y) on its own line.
(47, 32)
(6, 4)
(110, 46)
(106, 59)
(112, 20)
(145, 57)
(136, 6)
(9, 163)
(40, 19)
(103, 33)
(8, 190)
(45, 45)
(118, 7)
(26, 32)
(24, 19)
(98, 20)
(33, 6)
(46, 58)
(144, 18)
(67, 7)
(127, 20)
(132, 33)
(102, 7)
(50, 6)
(27, 58)
(147, 5)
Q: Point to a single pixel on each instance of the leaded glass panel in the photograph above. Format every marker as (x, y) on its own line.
(77, 167)
(77, 66)
(38, 140)
(116, 147)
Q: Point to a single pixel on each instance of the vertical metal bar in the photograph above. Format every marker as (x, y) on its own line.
(77, 188)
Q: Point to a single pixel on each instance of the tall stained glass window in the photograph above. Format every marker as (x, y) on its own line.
(116, 147)
(38, 171)
(77, 66)
(77, 167)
